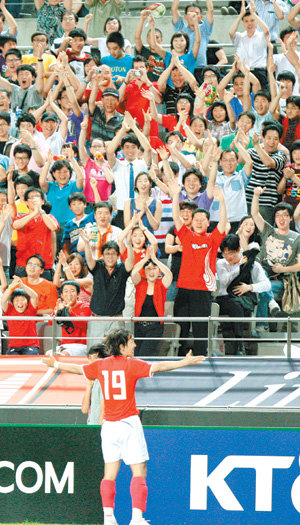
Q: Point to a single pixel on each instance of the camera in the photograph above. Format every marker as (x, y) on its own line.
(137, 73)
(98, 70)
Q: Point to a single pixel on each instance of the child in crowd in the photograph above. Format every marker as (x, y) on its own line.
(21, 301)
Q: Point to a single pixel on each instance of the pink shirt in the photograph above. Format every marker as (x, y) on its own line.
(96, 172)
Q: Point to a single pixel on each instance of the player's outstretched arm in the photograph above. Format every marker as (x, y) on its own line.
(51, 362)
(188, 360)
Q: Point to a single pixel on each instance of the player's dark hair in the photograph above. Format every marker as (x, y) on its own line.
(231, 242)
(7, 38)
(148, 177)
(201, 210)
(99, 350)
(39, 257)
(149, 262)
(115, 339)
(287, 75)
(239, 74)
(139, 58)
(267, 123)
(255, 237)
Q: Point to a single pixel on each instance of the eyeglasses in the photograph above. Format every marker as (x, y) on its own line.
(34, 265)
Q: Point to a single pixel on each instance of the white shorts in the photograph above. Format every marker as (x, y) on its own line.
(124, 440)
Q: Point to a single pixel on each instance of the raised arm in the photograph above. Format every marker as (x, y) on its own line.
(292, 16)
(188, 360)
(236, 23)
(219, 196)
(51, 362)
(174, 190)
(256, 216)
(244, 155)
(175, 11)
(83, 154)
(264, 157)
(115, 142)
(167, 274)
(87, 250)
(12, 24)
(44, 173)
(139, 29)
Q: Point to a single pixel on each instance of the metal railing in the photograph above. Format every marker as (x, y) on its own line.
(212, 322)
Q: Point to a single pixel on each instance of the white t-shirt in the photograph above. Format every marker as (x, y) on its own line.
(283, 64)
(121, 171)
(253, 49)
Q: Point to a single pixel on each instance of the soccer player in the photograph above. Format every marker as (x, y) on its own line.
(122, 433)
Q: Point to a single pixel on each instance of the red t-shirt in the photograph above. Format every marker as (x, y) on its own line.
(35, 237)
(170, 122)
(118, 376)
(26, 329)
(198, 262)
(135, 103)
(79, 334)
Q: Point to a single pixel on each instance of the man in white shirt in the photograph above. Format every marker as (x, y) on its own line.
(251, 45)
(125, 171)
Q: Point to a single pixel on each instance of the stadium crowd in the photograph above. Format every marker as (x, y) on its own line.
(134, 178)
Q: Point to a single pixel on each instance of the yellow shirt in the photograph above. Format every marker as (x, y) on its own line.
(47, 59)
(21, 208)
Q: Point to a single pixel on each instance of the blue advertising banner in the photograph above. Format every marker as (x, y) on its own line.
(215, 476)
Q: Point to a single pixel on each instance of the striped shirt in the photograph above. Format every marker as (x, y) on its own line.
(265, 176)
(166, 216)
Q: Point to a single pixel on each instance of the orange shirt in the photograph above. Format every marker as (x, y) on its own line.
(46, 291)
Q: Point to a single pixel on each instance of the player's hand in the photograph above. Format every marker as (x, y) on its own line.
(49, 361)
(193, 359)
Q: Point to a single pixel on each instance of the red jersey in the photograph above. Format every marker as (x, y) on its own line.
(79, 334)
(117, 376)
(34, 237)
(198, 262)
(22, 328)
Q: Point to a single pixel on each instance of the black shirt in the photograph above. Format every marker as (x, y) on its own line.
(170, 97)
(109, 290)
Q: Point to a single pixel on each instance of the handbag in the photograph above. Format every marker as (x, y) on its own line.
(291, 294)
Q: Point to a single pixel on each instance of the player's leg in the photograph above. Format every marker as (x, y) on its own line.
(139, 492)
(108, 491)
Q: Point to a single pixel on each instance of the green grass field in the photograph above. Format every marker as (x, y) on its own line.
(35, 523)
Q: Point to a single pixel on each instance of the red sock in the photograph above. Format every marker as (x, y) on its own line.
(139, 493)
(108, 492)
